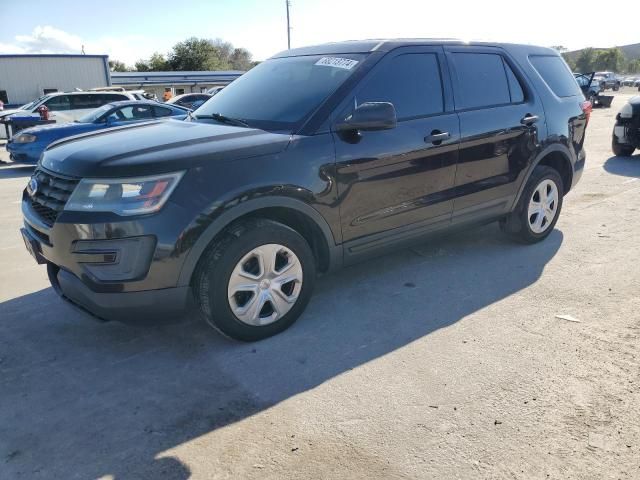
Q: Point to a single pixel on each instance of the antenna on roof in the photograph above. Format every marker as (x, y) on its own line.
(82, 52)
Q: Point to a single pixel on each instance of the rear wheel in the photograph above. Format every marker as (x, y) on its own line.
(539, 207)
(621, 150)
(256, 280)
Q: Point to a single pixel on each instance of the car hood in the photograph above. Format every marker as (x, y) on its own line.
(6, 113)
(157, 147)
(62, 128)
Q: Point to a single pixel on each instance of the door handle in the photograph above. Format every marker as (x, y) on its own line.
(529, 119)
(437, 137)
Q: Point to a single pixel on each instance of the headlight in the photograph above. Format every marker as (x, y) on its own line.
(123, 196)
(626, 111)
(24, 138)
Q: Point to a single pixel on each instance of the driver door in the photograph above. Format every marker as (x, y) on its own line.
(395, 185)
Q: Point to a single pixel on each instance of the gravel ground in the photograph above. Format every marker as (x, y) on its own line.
(444, 361)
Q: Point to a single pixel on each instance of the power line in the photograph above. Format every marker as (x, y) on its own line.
(288, 26)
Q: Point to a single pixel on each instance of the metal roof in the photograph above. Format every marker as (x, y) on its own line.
(178, 73)
(50, 55)
(175, 78)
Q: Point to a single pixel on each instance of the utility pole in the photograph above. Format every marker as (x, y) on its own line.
(288, 27)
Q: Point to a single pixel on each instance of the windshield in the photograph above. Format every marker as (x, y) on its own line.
(279, 93)
(94, 115)
(33, 104)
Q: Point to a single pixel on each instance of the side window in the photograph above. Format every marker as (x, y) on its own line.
(517, 94)
(556, 74)
(130, 113)
(59, 103)
(162, 112)
(110, 97)
(410, 81)
(84, 102)
(481, 80)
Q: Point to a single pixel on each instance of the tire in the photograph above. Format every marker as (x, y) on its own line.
(521, 224)
(237, 261)
(616, 87)
(621, 150)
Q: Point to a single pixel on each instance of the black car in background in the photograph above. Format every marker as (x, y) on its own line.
(626, 132)
(316, 158)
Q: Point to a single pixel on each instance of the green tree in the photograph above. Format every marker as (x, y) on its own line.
(117, 66)
(610, 59)
(156, 63)
(197, 54)
(241, 59)
(633, 66)
(586, 60)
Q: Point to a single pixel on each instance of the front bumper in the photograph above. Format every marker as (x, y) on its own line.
(23, 153)
(141, 308)
(627, 131)
(124, 269)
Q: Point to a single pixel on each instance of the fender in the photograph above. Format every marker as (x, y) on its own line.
(556, 147)
(246, 207)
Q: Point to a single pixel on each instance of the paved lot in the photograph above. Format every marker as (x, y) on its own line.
(444, 361)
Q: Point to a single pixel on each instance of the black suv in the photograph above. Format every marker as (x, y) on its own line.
(626, 132)
(316, 158)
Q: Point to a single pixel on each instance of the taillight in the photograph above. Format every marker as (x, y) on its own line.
(587, 108)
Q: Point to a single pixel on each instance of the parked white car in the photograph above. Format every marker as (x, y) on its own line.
(67, 106)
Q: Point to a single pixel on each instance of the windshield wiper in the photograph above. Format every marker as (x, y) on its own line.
(223, 119)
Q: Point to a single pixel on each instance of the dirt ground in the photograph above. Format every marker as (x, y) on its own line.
(444, 361)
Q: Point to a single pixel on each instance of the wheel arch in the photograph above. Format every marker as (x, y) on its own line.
(556, 156)
(292, 212)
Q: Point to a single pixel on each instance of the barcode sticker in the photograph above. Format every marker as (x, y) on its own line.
(337, 62)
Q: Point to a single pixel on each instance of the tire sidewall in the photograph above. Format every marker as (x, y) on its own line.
(222, 317)
(540, 174)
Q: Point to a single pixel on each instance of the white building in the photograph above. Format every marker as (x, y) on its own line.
(178, 82)
(24, 78)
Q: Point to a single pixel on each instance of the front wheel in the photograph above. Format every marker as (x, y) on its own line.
(256, 280)
(539, 207)
(621, 150)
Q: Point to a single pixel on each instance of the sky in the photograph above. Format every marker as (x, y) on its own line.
(132, 30)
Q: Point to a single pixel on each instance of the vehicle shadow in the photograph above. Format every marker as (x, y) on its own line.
(623, 166)
(13, 170)
(83, 399)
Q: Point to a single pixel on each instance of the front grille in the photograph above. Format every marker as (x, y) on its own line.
(51, 195)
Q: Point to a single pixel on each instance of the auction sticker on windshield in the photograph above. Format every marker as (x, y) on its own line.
(337, 62)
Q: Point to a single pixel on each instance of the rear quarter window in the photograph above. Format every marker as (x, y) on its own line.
(556, 74)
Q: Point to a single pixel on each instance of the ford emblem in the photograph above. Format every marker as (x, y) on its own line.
(32, 187)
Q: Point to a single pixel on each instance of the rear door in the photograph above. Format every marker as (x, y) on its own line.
(499, 120)
(396, 184)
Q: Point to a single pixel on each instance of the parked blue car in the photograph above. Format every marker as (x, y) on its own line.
(28, 144)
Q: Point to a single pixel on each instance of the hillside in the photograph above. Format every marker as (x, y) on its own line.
(632, 51)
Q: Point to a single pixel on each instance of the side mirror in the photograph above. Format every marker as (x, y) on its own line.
(370, 116)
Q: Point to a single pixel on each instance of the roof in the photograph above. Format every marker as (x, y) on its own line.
(385, 45)
(178, 73)
(162, 78)
(50, 55)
